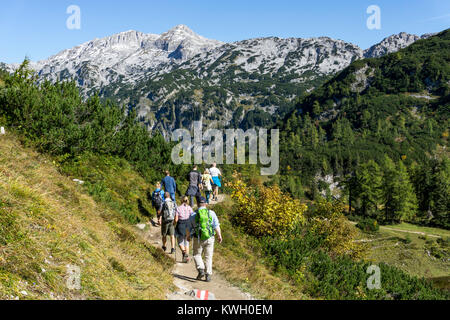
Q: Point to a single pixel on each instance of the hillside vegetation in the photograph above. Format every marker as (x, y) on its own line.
(386, 147)
(241, 260)
(420, 251)
(48, 222)
(380, 128)
(319, 256)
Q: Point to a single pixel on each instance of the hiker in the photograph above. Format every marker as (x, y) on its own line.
(183, 227)
(206, 226)
(207, 182)
(169, 185)
(167, 221)
(215, 173)
(195, 184)
(158, 199)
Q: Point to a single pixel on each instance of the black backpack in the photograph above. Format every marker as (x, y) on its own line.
(156, 199)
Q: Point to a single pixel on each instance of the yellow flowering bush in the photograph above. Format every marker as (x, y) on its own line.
(329, 223)
(265, 211)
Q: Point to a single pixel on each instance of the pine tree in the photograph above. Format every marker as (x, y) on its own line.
(368, 188)
(440, 195)
(316, 108)
(400, 202)
(337, 130)
(295, 187)
(421, 178)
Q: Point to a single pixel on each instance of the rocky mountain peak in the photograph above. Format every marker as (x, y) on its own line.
(181, 28)
(391, 44)
(132, 58)
(183, 43)
(127, 39)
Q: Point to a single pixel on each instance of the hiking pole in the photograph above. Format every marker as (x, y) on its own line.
(176, 242)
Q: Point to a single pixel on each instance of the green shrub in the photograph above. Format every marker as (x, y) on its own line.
(291, 252)
(343, 278)
(438, 249)
(307, 257)
(444, 242)
(57, 121)
(368, 225)
(407, 239)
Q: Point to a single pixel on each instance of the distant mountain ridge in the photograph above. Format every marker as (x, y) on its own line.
(127, 54)
(393, 43)
(181, 76)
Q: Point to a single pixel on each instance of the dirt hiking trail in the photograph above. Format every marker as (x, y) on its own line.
(185, 273)
(396, 230)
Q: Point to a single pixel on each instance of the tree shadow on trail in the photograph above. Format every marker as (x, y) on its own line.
(143, 210)
(179, 276)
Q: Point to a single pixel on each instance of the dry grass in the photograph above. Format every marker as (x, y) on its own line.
(47, 222)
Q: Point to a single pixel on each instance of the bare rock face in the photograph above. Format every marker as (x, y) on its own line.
(393, 44)
(124, 56)
(132, 56)
(178, 76)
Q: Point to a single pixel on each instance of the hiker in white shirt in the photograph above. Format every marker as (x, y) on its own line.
(215, 174)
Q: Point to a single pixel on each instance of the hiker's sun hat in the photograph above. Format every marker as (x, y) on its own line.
(202, 200)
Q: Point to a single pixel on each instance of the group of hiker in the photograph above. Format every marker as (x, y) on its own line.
(186, 225)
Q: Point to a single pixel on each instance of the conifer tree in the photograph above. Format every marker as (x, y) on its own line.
(368, 188)
(316, 108)
(440, 195)
(400, 202)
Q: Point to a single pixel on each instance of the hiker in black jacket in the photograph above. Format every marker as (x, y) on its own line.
(195, 185)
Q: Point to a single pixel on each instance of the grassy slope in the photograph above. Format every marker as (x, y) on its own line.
(113, 182)
(407, 251)
(240, 260)
(47, 222)
(416, 228)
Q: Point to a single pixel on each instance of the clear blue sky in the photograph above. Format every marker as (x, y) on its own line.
(37, 29)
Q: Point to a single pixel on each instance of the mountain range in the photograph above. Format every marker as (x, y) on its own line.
(179, 76)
